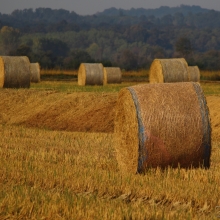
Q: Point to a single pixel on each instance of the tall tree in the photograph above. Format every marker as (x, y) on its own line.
(54, 46)
(9, 39)
(183, 46)
(77, 57)
(128, 60)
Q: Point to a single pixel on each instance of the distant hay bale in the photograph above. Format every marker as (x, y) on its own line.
(161, 125)
(35, 72)
(14, 72)
(194, 74)
(168, 70)
(90, 74)
(112, 75)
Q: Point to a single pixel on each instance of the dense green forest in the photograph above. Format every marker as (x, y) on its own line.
(130, 39)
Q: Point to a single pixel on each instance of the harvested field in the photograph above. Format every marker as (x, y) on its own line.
(77, 111)
(84, 112)
(73, 175)
(57, 174)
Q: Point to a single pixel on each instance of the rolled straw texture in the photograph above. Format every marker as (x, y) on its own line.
(14, 72)
(194, 74)
(90, 74)
(112, 75)
(35, 72)
(168, 70)
(161, 125)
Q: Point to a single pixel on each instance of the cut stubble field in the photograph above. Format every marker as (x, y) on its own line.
(58, 161)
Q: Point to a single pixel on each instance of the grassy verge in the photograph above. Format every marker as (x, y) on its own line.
(211, 88)
(58, 75)
(74, 175)
(74, 87)
(210, 75)
(71, 75)
(58, 72)
(140, 75)
(62, 86)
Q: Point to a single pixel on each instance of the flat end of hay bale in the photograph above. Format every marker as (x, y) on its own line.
(156, 72)
(126, 124)
(2, 73)
(82, 75)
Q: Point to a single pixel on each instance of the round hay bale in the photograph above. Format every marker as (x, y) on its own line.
(168, 70)
(112, 75)
(90, 74)
(161, 125)
(194, 73)
(35, 72)
(14, 72)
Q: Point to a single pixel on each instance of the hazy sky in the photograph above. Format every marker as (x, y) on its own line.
(88, 7)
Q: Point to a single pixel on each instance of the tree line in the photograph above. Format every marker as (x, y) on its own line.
(63, 39)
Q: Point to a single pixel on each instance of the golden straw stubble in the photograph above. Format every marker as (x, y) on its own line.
(2, 72)
(126, 130)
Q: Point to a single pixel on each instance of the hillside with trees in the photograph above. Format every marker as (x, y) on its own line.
(130, 39)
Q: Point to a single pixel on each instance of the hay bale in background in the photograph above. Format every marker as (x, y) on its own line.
(112, 75)
(168, 70)
(194, 74)
(14, 72)
(162, 125)
(35, 72)
(90, 74)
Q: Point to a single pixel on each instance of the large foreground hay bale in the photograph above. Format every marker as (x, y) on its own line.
(90, 74)
(194, 73)
(168, 70)
(162, 125)
(112, 75)
(35, 72)
(14, 72)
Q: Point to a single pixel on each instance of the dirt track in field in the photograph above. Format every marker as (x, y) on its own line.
(83, 112)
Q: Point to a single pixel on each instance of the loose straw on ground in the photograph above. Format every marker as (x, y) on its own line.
(35, 72)
(14, 72)
(112, 75)
(90, 74)
(161, 125)
(194, 74)
(168, 70)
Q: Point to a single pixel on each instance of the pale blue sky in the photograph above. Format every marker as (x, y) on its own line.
(88, 7)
